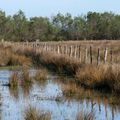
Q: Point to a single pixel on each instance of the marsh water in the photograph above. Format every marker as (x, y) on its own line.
(57, 95)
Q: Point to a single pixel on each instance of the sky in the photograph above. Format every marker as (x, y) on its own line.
(49, 8)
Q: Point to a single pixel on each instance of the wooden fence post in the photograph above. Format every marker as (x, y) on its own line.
(111, 56)
(79, 54)
(105, 55)
(75, 51)
(91, 55)
(66, 50)
(58, 49)
(86, 55)
(71, 52)
(98, 57)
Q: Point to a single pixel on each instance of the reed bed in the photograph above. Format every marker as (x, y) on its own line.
(10, 57)
(95, 65)
(103, 77)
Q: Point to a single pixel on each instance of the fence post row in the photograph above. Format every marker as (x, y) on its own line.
(71, 50)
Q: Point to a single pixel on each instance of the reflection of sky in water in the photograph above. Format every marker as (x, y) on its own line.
(43, 98)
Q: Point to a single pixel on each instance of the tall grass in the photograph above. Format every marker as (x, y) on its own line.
(10, 57)
(85, 116)
(41, 75)
(104, 77)
(13, 81)
(34, 114)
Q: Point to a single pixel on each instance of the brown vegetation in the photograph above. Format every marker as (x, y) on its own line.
(9, 57)
(85, 116)
(41, 75)
(13, 81)
(104, 76)
(34, 114)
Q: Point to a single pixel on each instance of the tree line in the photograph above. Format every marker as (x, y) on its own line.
(92, 26)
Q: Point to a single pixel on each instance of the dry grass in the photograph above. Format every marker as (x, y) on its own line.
(9, 57)
(33, 114)
(41, 75)
(13, 81)
(85, 116)
(25, 77)
(103, 77)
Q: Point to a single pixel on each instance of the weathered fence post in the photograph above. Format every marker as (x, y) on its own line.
(79, 54)
(91, 60)
(58, 49)
(75, 51)
(71, 52)
(27, 43)
(111, 56)
(65, 49)
(105, 55)
(98, 57)
(86, 55)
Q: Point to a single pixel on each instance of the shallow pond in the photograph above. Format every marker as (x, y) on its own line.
(63, 99)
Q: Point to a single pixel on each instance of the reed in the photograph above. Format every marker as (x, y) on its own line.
(41, 75)
(34, 114)
(105, 78)
(25, 77)
(10, 57)
(100, 76)
(85, 116)
(13, 81)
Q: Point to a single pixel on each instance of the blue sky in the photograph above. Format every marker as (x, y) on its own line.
(52, 7)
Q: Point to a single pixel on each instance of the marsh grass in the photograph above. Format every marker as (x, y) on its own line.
(34, 114)
(20, 78)
(13, 81)
(14, 92)
(25, 77)
(102, 78)
(10, 57)
(41, 75)
(85, 116)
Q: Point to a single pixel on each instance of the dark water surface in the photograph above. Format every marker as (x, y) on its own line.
(56, 95)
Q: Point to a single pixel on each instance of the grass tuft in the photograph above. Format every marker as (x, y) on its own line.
(34, 114)
(41, 75)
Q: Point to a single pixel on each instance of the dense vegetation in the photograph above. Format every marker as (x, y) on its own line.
(60, 27)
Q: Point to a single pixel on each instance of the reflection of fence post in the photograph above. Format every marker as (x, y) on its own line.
(105, 55)
(98, 57)
(113, 116)
(111, 56)
(91, 55)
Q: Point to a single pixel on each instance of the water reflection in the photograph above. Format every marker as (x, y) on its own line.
(58, 95)
(14, 92)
